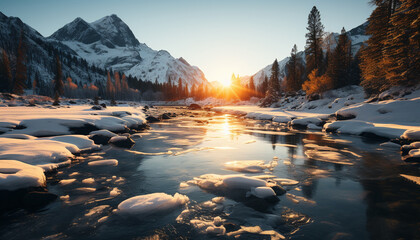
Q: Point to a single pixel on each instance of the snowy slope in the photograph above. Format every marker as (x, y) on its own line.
(109, 43)
(40, 52)
(357, 36)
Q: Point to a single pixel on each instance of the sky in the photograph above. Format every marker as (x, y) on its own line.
(221, 37)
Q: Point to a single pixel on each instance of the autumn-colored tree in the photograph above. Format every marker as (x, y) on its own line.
(372, 56)
(124, 84)
(21, 74)
(110, 90)
(317, 84)
(117, 85)
(313, 50)
(401, 49)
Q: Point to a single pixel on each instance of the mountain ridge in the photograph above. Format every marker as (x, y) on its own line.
(109, 43)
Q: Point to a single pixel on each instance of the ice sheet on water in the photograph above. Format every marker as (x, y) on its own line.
(286, 181)
(256, 230)
(151, 203)
(150, 154)
(88, 181)
(107, 162)
(213, 226)
(328, 156)
(415, 179)
(67, 181)
(249, 166)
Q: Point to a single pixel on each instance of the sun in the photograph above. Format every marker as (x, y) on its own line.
(225, 83)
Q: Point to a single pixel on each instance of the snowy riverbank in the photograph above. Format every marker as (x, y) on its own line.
(345, 111)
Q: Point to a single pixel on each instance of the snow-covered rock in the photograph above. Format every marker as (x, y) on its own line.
(263, 192)
(122, 141)
(411, 134)
(147, 204)
(17, 175)
(303, 122)
(83, 143)
(47, 154)
(231, 182)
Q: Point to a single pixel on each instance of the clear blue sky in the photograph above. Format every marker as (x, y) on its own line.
(221, 37)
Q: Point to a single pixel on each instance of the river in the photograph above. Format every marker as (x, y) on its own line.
(348, 188)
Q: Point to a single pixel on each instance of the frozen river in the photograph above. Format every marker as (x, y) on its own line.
(337, 187)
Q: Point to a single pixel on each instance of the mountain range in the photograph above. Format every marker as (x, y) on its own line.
(89, 49)
(107, 43)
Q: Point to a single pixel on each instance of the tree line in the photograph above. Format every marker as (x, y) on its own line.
(389, 58)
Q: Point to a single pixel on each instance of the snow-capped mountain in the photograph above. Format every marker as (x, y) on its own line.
(357, 36)
(109, 43)
(40, 53)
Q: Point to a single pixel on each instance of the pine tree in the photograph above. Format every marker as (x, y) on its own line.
(339, 62)
(401, 50)
(21, 74)
(274, 85)
(35, 83)
(58, 80)
(264, 86)
(251, 87)
(372, 57)
(6, 81)
(294, 72)
(273, 92)
(313, 50)
(180, 94)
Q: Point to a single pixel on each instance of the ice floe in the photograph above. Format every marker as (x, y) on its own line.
(250, 166)
(107, 162)
(151, 203)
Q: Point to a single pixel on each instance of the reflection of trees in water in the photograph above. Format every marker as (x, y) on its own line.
(274, 139)
(294, 139)
(309, 188)
(393, 208)
(393, 203)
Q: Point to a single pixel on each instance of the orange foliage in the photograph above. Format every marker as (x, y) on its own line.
(317, 84)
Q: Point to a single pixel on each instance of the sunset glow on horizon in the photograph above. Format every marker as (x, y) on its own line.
(219, 37)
